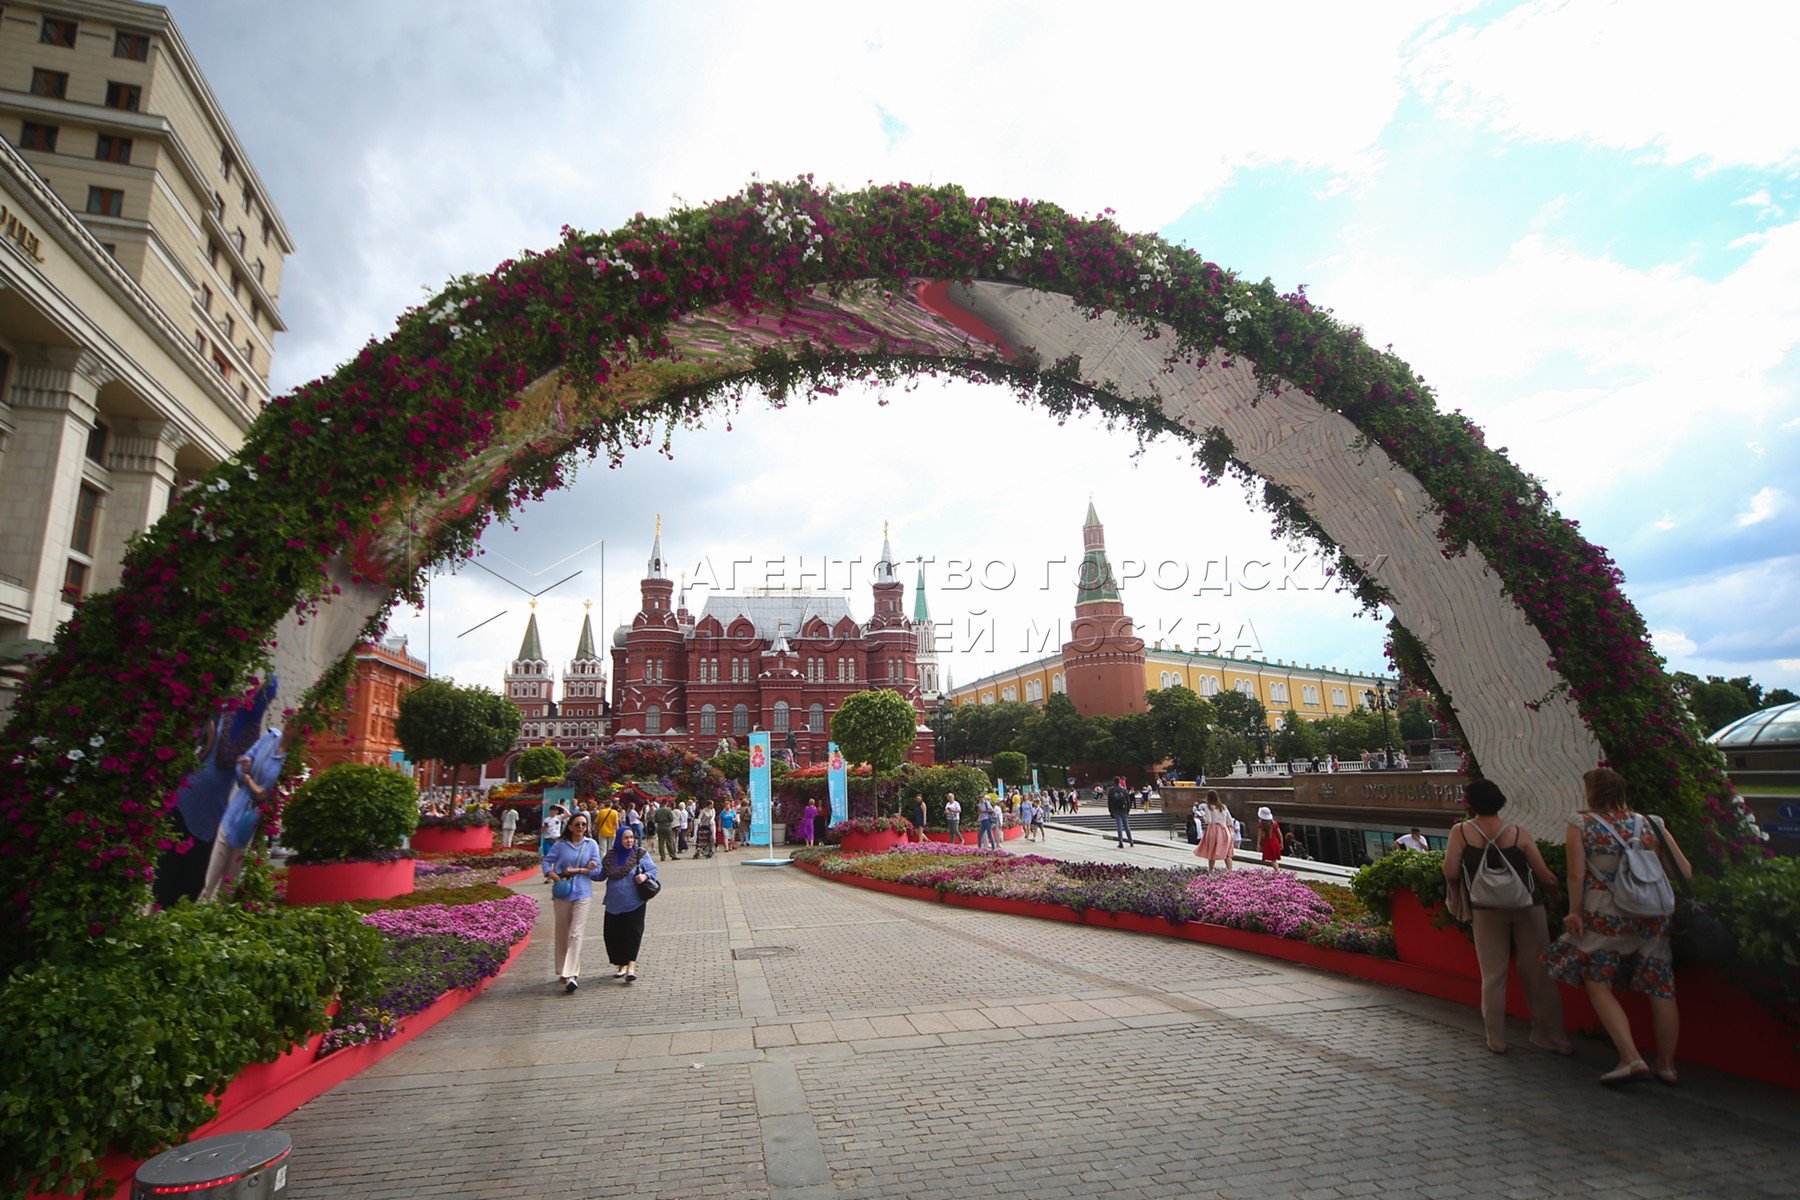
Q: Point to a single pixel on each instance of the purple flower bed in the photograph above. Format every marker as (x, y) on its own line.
(1256, 901)
(431, 949)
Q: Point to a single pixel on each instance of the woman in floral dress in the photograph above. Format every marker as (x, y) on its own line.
(1604, 949)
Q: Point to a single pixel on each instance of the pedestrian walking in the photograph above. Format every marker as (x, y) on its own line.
(917, 816)
(664, 821)
(683, 816)
(704, 826)
(569, 864)
(624, 868)
(1215, 835)
(987, 817)
(1604, 946)
(1037, 819)
(509, 826)
(809, 817)
(1118, 803)
(728, 827)
(953, 817)
(1508, 915)
(1268, 836)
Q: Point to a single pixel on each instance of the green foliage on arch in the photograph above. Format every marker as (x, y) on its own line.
(475, 401)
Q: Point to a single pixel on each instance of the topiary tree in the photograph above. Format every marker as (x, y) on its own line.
(542, 762)
(876, 727)
(350, 811)
(458, 726)
(1011, 766)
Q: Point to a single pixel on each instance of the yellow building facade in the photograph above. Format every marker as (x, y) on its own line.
(1313, 692)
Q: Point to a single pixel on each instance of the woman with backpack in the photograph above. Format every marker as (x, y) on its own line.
(1501, 866)
(1618, 935)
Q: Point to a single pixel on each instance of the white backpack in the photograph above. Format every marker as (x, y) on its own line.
(1495, 883)
(1640, 887)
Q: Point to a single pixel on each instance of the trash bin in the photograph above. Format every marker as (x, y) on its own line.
(232, 1164)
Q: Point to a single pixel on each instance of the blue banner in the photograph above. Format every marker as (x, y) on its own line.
(838, 781)
(1034, 782)
(1000, 784)
(759, 791)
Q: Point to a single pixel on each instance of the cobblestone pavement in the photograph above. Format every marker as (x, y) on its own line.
(796, 1039)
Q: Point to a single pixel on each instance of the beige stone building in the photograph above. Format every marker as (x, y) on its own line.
(140, 277)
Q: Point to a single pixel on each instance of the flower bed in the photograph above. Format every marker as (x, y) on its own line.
(1265, 902)
(330, 883)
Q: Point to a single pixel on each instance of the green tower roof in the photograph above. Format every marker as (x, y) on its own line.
(586, 649)
(920, 612)
(530, 650)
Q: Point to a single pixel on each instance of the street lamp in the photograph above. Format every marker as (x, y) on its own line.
(1384, 702)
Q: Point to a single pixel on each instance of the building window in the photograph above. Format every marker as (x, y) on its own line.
(243, 392)
(106, 202)
(219, 212)
(987, 697)
(1034, 689)
(74, 580)
(226, 165)
(212, 254)
(1056, 684)
(1339, 699)
(265, 232)
(230, 326)
(123, 96)
(96, 444)
(260, 270)
(1278, 693)
(1309, 694)
(653, 719)
(1246, 687)
(206, 299)
(740, 719)
(250, 354)
(780, 716)
(1009, 692)
(58, 31)
(131, 45)
(37, 137)
(220, 365)
(113, 149)
(709, 720)
(237, 239)
(246, 199)
(87, 514)
(815, 719)
(49, 83)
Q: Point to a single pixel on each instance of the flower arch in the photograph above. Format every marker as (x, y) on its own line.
(684, 771)
(348, 487)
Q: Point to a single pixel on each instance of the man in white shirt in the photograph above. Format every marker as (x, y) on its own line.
(953, 816)
(1412, 841)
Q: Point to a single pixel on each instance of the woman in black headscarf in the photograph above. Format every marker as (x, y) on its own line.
(625, 866)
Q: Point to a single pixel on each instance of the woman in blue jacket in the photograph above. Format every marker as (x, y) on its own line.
(569, 865)
(625, 866)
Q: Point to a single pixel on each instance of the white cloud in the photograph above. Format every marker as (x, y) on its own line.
(1763, 505)
(1665, 522)
(1672, 642)
(1637, 75)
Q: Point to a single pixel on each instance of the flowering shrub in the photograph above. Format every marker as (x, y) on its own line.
(836, 832)
(1260, 901)
(678, 770)
(478, 815)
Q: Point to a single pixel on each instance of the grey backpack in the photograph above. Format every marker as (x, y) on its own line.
(1495, 883)
(1640, 887)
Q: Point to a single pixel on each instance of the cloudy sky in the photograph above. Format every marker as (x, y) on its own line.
(1577, 220)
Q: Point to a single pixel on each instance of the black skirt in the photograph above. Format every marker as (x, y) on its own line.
(624, 934)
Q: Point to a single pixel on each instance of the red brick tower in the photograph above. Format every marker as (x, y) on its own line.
(1103, 662)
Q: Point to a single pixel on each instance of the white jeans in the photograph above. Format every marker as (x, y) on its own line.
(226, 860)
(571, 923)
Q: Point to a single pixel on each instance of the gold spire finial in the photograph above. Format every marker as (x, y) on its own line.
(586, 604)
(533, 604)
(884, 533)
(658, 524)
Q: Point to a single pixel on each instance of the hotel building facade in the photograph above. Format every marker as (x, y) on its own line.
(140, 277)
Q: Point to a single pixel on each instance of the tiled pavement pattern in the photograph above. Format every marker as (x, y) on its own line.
(796, 1039)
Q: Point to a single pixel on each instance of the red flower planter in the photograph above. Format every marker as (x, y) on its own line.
(1419, 942)
(1012, 832)
(328, 883)
(967, 837)
(442, 839)
(871, 843)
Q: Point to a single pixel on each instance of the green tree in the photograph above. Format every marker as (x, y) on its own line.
(1415, 721)
(1012, 766)
(876, 727)
(1296, 739)
(1057, 735)
(458, 726)
(1179, 722)
(542, 762)
(735, 766)
(1003, 727)
(1121, 743)
(1779, 696)
(1715, 701)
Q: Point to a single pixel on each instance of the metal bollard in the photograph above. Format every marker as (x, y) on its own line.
(232, 1164)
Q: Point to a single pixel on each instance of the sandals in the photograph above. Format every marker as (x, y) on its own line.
(1667, 1075)
(1635, 1071)
(1565, 1049)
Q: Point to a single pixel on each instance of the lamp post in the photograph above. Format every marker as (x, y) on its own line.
(1385, 702)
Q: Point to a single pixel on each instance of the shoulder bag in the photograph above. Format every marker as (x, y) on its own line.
(1640, 887)
(1496, 883)
(1695, 933)
(649, 885)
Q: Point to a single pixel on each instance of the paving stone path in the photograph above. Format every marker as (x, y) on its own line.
(796, 1039)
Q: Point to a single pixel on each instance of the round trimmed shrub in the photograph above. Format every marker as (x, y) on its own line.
(349, 811)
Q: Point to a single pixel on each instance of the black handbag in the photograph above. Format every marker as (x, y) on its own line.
(1695, 932)
(648, 887)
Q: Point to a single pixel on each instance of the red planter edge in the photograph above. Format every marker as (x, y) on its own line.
(263, 1093)
(520, 876)
(438, 839)
(329, 883)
